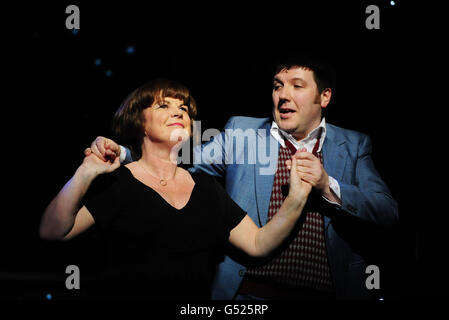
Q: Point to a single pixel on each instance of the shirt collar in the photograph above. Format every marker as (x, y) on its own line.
(318, 132)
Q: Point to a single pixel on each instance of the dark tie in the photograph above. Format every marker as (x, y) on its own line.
(290, 146)
(292, 149)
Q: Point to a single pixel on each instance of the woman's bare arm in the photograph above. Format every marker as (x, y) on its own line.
(257, 241)
(64, 217)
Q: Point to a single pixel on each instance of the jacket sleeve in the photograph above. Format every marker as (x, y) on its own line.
(125, 155)
(368, 198)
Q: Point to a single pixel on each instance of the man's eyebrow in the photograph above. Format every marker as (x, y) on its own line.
(292, 79)
(298, 78)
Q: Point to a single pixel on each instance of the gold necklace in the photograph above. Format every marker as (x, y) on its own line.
(163, 182)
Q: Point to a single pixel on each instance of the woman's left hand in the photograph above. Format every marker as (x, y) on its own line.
(299, 188)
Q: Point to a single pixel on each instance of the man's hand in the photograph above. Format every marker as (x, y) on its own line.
(312, 171)
(93, 166)
(104, 148)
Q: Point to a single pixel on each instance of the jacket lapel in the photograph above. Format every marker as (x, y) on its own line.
(334, 156)
(264, 172)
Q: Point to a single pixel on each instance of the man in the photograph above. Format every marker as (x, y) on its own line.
(325, 257)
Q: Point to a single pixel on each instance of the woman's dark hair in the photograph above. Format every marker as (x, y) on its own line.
(128, 122)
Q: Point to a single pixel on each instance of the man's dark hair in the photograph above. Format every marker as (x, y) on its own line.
(323, 70)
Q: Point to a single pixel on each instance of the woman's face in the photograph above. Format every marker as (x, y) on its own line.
(167, 121)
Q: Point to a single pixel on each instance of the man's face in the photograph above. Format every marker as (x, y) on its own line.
(296, 101)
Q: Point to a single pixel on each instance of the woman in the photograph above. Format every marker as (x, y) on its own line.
(166, 229)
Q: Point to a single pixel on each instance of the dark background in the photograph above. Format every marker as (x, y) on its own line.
(57, 100)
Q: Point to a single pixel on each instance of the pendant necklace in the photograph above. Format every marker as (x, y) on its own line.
(162, 182)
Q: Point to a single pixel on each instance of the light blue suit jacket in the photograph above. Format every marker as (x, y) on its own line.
(248, 167)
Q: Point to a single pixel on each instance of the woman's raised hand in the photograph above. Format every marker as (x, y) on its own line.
(299, 189)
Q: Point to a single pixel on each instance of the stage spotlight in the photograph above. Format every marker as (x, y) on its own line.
(108, 73)
(392, 3)
(130, 50)
(98, 62)
(48, 296)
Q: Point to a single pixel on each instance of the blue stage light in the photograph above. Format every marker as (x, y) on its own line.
(108, 73)
(130, 50)
(392, 3)
(98, 62)
(48, 296)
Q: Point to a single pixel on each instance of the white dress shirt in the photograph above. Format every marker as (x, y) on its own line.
(308, 143)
